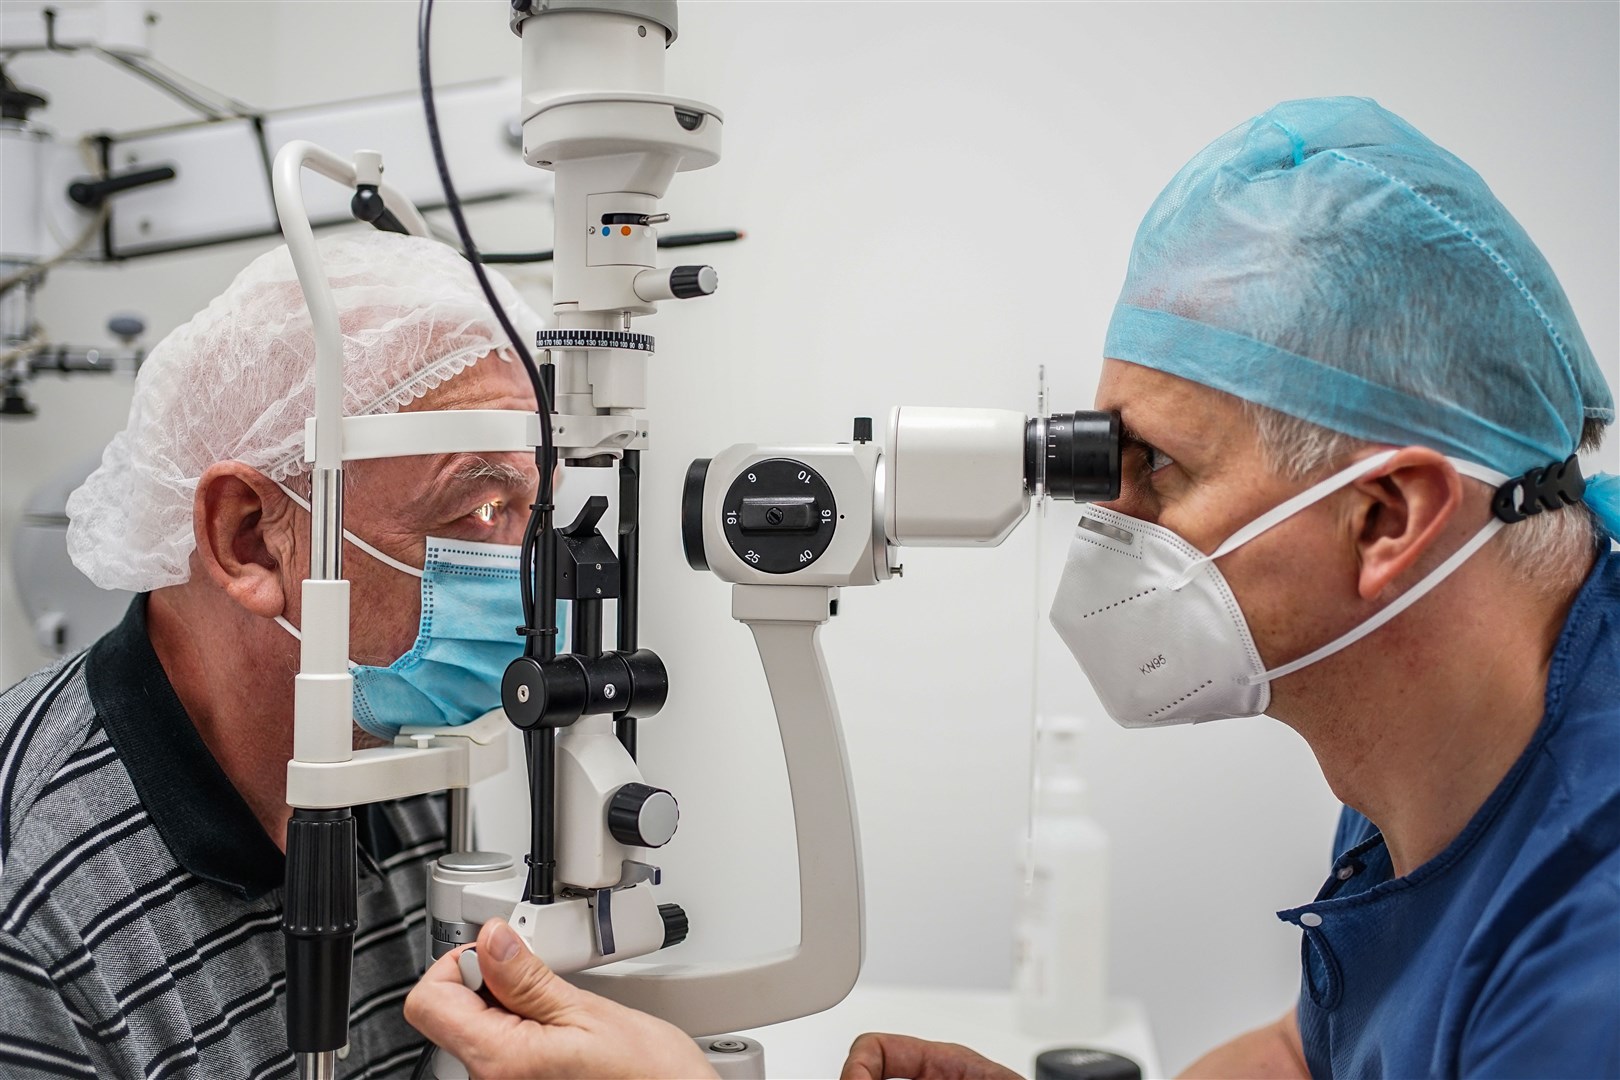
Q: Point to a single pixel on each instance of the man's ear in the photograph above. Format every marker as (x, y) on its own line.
(1407, 504)
(243, 536)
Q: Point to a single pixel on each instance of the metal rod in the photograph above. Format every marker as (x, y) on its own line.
(460, 834)
(586, 632)
(66, 361)
(167, 82)
(320, 1066)
(541, 747)
(326, 524)
(629, 577)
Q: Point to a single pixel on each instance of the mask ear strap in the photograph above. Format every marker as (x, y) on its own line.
(1400, 604)
(1285, 510)
(389, 560)
(1411, 596)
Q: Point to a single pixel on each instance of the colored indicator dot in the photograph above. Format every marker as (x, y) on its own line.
(606, 230)
(624, 230)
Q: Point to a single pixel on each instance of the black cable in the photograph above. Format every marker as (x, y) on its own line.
(539, 613)
(424, 1063)
(546, 454)
(515, 258)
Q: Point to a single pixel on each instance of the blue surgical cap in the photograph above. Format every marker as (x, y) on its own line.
(1328, 261)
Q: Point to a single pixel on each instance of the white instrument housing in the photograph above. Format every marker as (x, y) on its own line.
(954, 477)
(594, 113)
(948, 478)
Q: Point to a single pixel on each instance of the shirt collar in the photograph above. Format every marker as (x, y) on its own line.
(195, 807)
(197, 810)
(1586, 625)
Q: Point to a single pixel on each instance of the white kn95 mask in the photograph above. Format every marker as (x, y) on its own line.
(1157, 630)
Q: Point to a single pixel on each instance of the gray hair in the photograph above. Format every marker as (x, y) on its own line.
(1550, 550)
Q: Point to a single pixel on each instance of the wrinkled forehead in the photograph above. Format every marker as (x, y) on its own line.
(1169, 411)
(489, 382)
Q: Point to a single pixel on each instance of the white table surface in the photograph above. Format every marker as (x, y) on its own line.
(814, 1047)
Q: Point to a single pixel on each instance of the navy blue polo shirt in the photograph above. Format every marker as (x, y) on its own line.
(1501, 955)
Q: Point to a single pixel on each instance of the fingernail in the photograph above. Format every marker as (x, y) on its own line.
(504, 943)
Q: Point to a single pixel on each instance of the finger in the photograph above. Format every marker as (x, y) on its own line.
(519, 979)
(448, 1013)
(865, 1060)
(886, 1057)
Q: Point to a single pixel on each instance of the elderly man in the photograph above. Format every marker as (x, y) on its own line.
(143, 805)
(1352, 390)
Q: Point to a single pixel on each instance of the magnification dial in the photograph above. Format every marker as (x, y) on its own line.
(779, 515)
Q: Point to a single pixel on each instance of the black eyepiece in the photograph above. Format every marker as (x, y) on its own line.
(1073, 456)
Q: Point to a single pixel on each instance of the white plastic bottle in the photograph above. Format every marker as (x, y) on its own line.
(1061, 974)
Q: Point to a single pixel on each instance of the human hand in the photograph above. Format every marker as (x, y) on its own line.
(548, 1027)
(887, 1057)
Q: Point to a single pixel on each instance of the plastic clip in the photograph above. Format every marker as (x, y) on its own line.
(1547, 487)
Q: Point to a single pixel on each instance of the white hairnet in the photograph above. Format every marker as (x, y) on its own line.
(237, 382)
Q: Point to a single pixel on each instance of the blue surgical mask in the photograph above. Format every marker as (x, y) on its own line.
(471, 609)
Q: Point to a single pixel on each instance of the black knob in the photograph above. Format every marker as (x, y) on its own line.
(15, 102)
(642, 816)
(13, 402)
(863, 429)
(689, 281)
(367, 205)
(675, 924)
(523, 692)
(1081, 1063)
(126, 327)
(697, 474)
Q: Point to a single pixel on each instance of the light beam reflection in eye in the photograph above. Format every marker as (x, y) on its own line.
(487, 512)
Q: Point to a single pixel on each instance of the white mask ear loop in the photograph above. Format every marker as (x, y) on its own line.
(1411, 596)
(1283, 511)
(404, 568)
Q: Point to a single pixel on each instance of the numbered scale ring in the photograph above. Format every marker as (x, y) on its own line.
(779, 515)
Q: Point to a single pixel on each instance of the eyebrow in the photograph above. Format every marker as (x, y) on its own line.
(471, 471)
(474, 470)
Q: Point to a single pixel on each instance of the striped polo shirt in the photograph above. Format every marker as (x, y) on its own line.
(140, 899)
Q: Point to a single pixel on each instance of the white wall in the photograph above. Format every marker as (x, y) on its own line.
(939, 198)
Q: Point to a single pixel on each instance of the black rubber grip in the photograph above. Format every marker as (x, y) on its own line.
(318, 921)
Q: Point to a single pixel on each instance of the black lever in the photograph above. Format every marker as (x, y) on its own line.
(590, 515)
(92, 193)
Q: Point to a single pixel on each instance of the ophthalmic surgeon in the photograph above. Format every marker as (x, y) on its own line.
(142, 783)
(1353, 392)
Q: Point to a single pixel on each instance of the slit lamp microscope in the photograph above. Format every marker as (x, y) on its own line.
(786, 527)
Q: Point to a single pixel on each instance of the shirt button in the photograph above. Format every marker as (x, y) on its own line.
(1310, 918)
(1345, 873)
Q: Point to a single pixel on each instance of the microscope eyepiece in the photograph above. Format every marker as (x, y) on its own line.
(1073, 456)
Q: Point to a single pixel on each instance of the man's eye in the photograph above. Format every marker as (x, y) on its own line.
(1158, 459)
(488, 512)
